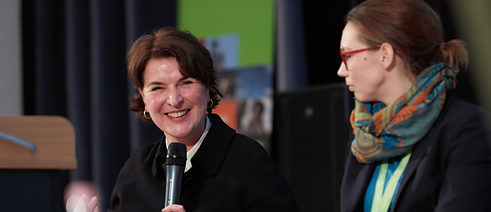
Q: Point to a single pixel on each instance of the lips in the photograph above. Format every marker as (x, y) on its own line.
(177, 114)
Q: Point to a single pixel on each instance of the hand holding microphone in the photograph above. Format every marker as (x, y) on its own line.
(174, 208)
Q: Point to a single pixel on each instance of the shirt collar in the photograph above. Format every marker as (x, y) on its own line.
(209, 153)
(194, 149)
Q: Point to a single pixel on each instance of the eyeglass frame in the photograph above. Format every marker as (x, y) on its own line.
(343, 54)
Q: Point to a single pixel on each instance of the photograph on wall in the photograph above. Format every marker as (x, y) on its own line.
(240, 38)
(223, 50)
(255, 112)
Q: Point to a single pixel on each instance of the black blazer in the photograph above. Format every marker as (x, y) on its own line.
(230, 172)
(449, 169)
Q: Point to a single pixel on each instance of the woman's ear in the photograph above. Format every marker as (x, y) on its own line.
(388, 56)
(141, 94)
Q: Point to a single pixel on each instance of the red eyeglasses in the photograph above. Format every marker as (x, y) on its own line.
(343, 54)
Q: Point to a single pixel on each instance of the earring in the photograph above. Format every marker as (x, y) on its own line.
(211, 105)
(146, 114)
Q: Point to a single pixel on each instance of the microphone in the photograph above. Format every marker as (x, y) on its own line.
(174, 166)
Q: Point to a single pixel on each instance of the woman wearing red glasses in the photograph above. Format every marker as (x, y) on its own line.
(416, 147)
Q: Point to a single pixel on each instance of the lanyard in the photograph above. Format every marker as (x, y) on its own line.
(381, 198)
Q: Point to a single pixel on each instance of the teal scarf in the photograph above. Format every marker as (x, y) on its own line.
(383, 132)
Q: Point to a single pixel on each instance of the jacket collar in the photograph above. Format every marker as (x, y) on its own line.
(365, 171)
(416, 158)
(214, 147)
(419, 151)
(158, 164)
(209, 155)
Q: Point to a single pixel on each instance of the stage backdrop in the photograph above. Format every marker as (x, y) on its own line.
(239, 35)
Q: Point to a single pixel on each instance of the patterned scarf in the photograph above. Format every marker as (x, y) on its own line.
(382, 132)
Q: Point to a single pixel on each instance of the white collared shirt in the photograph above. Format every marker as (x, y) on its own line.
(194, 149)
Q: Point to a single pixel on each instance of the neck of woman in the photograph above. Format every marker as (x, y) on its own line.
(400, 80)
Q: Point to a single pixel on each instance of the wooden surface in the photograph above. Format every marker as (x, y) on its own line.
(53, 136)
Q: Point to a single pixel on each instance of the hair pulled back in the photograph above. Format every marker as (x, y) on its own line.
(412, 27)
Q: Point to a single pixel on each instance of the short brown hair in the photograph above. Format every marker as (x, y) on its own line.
(412, 27)
(193, 58)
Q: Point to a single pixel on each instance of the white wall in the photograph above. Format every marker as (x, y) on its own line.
(10, 58)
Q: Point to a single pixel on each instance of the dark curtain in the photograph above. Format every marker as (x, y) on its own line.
(323, 25)
(74, 66)
(290, 58)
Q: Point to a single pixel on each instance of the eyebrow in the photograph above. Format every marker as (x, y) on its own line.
(154, 83)
(344, 49)
(159, 83)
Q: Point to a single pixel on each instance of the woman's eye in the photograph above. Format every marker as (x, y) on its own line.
(156, 88)
(187, 82)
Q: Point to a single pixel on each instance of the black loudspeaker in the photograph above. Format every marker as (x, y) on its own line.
(311, 136)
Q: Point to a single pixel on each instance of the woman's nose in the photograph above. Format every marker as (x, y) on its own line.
(174, 98)
(342, 72)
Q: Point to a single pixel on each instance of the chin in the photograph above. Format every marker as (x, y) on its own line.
(178, 133)
(363, 98)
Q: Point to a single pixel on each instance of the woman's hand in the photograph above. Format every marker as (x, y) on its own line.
(81, 196)
(82, 203)
(174, 208)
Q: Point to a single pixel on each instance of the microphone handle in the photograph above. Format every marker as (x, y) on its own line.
(173, 184)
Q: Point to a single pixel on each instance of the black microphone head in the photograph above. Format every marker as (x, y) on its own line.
(176, 154)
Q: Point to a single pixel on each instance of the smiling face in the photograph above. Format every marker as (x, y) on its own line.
(365, 75)
(177, 104)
